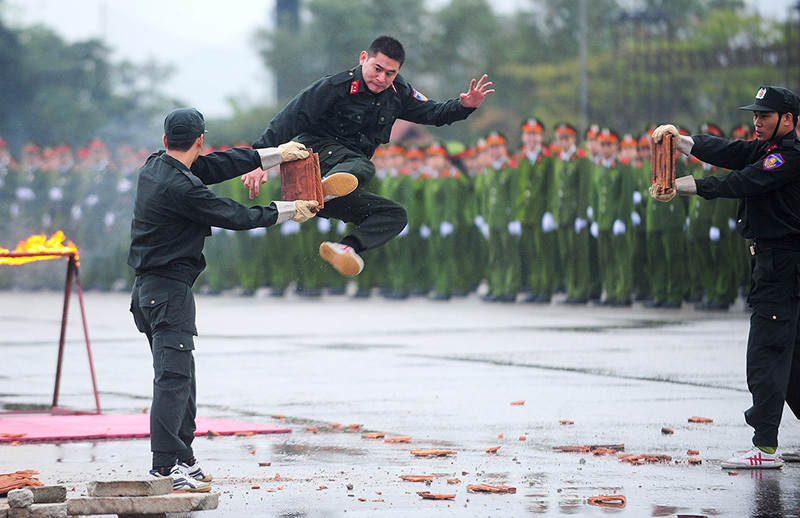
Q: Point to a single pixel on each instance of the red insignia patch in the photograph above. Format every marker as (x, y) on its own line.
(354, 86)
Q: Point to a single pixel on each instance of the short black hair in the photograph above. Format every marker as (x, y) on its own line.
(180, 145)
(389, 47)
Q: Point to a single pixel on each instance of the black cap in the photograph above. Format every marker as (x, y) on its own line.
(184, 124)
(775, 99)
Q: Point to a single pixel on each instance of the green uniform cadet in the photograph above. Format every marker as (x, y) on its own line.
(443, 214)
(536, 200)
(400, 252)
(666, 242)
(614, 185)
(573, 171)
(504, 269)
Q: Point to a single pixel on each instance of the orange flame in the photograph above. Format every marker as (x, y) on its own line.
(39, 248)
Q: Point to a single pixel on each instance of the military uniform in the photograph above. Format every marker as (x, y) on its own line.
(173, 215)
(339, 118)
(766, 180)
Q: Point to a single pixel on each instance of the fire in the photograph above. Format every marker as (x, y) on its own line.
(39, 248)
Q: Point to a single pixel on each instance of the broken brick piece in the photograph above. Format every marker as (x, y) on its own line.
(432, 452)
(607, 501)
(492, 450)
(667, 431)
(397, 439)
(487, 488)
(417, 478)
(696, 419)
(434, 496)
(373, 435)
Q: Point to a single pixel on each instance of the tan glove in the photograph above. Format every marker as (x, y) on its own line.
(656, 194)
(303, 210)
(659, 132)
(292, 151)
(685, 185)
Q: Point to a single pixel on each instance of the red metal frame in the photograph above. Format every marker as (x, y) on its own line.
(72, 277)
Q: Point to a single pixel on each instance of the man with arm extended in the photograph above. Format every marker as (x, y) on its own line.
(343, 118)
(765, 177)
(172, 216)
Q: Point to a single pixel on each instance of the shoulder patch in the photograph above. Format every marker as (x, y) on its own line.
(419, 96)
(773, 161)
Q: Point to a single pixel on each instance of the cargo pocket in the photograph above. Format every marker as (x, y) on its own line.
(172, 353)
(771, 325)
(154, 307)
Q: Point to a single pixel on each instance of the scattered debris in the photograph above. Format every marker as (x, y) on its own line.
(373, 435)
(492, 450)
(649, 458)
(667, 431)
(354, 427)
(453, 481)
(732, 473)
(566, 422)
(692, 452)
(312, 429)
(417, 478)
(18, 480)
(434, 496)
(607, 501)
(264, 464)
(695, 419)
(588, 448)
(487, 488)
(519, 402)
(432, 452)
(397, 439)
(695, 461)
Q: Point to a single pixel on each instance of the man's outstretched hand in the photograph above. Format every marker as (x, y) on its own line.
(478, 90)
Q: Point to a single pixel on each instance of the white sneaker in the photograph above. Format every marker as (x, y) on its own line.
(342, 257)
(753, 459)
(182, 482)
(194, 471)
(338, 184)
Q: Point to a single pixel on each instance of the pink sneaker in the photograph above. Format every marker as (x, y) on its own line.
(342, 257)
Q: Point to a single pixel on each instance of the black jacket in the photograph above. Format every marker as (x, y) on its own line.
(766, 181)
(174, 211)
(342, 108)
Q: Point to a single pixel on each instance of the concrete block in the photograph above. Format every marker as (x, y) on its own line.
(58, 510)
(49, 494)
(3, 511)
(19, 512)
(19, 498)
(172, 503)
(140, 487)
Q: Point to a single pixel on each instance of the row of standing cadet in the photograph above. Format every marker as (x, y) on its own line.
(548, 218)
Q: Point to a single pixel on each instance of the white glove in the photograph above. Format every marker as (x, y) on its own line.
(659, 132)
(685, 185)
(636, 219)
(478, 221)
(732, 223)
(713, 234)
(580, 224)
(548, 223)
(656, 194)
(341, 227)
(445, 229)
(618, 228)
(292, 151)
(637, 197)
(257, 232)
(589, 212)
(485, 230)
(594, 230)
(323, 225)
(424, 232)
(302, 210)
(515, 228)
(290, 227)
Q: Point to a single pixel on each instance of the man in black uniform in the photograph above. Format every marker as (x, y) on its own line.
(173, 213)
(765, 177)
(344, 117)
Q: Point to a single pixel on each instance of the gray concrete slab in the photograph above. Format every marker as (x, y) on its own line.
(444, 373)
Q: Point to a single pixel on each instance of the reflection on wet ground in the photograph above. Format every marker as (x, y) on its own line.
(444, 375)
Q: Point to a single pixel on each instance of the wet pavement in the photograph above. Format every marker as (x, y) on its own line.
(445, 374)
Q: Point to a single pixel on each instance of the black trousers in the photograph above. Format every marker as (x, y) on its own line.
(376, 219)
(164, 310)
(773, 354)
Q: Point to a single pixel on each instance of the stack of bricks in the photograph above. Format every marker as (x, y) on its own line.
(150, 498)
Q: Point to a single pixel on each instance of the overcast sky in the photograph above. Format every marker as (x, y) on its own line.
(209, 42)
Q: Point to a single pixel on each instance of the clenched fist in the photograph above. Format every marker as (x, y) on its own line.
(659, 132)
(655, 192)
(292, 151)
(303, 210)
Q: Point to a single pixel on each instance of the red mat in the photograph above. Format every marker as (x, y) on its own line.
(81, 427)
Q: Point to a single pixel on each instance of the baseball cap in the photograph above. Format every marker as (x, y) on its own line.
(184, 124)
(775, 99)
